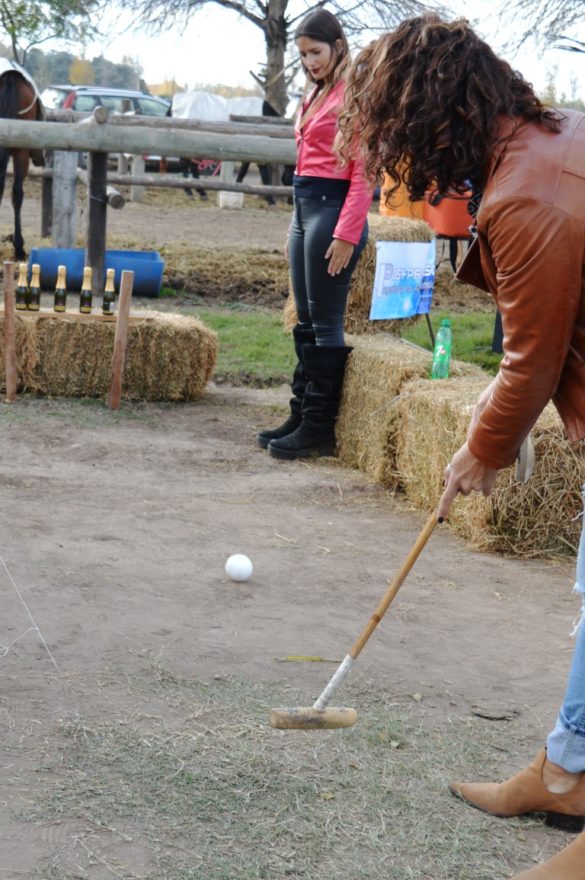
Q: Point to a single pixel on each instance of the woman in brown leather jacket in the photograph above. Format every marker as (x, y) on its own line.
(434, 105)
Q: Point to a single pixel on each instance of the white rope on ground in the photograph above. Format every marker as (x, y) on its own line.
(5, 649)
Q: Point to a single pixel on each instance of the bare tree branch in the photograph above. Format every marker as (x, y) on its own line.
(277, 19)
(31, 22)
(543, 21)
(156, 14)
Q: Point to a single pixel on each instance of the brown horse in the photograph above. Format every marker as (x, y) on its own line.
(18, 100)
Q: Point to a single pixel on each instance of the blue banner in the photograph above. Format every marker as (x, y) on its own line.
(403, 283)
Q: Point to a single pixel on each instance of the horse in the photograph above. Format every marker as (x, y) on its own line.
(19, 99)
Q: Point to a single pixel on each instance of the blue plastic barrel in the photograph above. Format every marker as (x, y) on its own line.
(147, 267)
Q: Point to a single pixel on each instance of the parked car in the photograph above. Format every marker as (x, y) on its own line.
(85, 98)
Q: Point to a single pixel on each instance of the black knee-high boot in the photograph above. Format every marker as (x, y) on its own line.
(325, 367)
(301, 337)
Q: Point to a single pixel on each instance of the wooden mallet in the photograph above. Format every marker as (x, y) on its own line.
(318, 716)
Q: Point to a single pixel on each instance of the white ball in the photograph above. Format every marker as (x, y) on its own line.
(239, 567)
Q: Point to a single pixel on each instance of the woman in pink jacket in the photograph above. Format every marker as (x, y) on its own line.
(327, 234)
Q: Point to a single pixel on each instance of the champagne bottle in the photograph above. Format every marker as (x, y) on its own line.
(109, 300)
(22, 289)
(60, 301)
(34, 293)
(85, 298)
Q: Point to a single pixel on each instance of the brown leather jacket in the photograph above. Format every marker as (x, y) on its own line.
(530, 254)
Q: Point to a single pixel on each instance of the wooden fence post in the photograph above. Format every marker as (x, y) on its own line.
(96, 219)
(113, 401)
(138, 166)
(64, 225)
(47, 199)
(9, 332)
(226, 173)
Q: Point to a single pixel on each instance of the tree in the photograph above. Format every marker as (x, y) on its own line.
(121, 76)
(553, 98)
(30, 22)
(81, 73)
(545, 21)
(277, 19)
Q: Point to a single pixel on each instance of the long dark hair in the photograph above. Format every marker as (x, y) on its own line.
(323, 26)
(425, 103)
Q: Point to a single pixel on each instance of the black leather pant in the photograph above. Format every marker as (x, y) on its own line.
(320, 298)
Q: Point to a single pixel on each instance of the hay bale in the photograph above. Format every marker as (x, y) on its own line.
(539, 518)
(378, 368)
(362, 282)
(233, 275)
(168, 356)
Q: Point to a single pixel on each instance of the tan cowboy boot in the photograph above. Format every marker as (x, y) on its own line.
(527, 793)
(569, 864)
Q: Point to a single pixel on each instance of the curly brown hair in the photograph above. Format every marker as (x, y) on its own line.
(425, 102)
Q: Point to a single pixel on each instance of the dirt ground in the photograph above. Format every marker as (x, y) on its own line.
(114, 534)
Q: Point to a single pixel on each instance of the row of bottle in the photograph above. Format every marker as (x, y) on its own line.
(28, 297)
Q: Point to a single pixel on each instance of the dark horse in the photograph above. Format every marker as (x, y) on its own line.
(18, 100)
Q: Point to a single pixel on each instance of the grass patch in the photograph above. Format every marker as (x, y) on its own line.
(80, 412)
(253, 347)
(194, 778)
(472, 337)
(254, 350)
(167, 292)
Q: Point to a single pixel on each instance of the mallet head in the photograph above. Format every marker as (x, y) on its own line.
(308, 718)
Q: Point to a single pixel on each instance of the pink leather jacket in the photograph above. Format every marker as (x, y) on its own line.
(315, 158)
(530, 254)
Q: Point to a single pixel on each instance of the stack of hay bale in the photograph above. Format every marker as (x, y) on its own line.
(369, 422)
(537, 518)
(168, 356)
(401, 428)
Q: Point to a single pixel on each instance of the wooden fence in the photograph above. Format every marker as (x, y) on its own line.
(252, 140)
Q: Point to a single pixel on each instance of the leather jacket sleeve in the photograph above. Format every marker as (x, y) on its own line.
(534, 253)
(316, 158)
(355, 208)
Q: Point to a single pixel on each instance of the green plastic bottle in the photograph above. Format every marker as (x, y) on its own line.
(442, 351)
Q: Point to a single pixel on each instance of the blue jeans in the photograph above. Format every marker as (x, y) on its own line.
(566, 743)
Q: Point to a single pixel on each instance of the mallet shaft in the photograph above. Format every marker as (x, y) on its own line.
(319, 717)
(339, 676)
(394, 586)
(344, 668)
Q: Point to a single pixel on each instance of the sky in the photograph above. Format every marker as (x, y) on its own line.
(218, 47)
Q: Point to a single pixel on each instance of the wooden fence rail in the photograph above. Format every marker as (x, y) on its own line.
(165, 123)
(140, 140)
(101, 134)
(172, 182)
